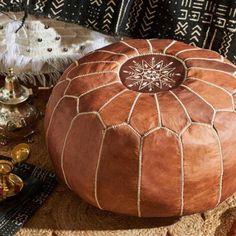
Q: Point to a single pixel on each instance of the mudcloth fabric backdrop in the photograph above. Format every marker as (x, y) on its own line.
(204, 23)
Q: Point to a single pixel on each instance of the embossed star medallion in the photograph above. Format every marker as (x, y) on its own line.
(152, 73)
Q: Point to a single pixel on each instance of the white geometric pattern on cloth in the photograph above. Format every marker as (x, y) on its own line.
(151, 74)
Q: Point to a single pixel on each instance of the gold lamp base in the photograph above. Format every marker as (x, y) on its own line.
(10, 184)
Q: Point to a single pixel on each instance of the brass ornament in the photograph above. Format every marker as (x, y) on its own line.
(20, 153)
(17, 116)
(10, 184)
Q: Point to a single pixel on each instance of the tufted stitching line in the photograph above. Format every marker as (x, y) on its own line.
(63, 150)
(221, 156)
(182, 105)
(74, 67)
(64, 143)
(216, 86)
(97, 88)
(114, 53)
(54, 109)
(203, 59)
(96, 62)
(77, 105)
(186, 50)
(61, 82)
(197, 48)
(222, 59)
(140, 177)
(171, 44)
(181, 159)
(221, 166)
(97, 168)
(132, 107)
(180, 142)
(128, 45)
(94, 73)
(111, 99)
(208, 69)
(158, 111)
(150, 46)
(214, 110)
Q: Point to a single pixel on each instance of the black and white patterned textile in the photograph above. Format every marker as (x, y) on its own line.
(15, 211)
(204, 23)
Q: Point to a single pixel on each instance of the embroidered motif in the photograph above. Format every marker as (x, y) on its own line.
(151, 73)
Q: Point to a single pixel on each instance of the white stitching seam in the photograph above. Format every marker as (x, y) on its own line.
(97, 88)
(140, 177)
(63, 150)
(132, 107)
(182, 174)
(186, 50)
(221, 166)
(111, 99)
(203, 59)
(97, 168)
(95, 62)
(66, 137)
(158, 111)
(182, 105)
(196, 49)
(125, 43)
(214, 110)
(94, 73)
(150, 46)
(216, 86)
(171, 44)
(208, 69)
(114, 53)
(54, 109)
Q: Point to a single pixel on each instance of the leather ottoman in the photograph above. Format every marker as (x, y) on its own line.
(146, 128)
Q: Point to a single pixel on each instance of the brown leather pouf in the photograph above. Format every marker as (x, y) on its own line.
(146, 128)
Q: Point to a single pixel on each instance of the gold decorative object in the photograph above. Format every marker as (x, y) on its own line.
(10, 184)
(20, 153)
(17, 116)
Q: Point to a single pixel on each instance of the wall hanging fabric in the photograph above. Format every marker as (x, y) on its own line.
(204, 23)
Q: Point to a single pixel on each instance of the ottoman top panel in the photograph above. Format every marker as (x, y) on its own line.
(129, 77)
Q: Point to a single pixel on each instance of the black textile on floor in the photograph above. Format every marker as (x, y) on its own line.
(17, 210)
(204, 23)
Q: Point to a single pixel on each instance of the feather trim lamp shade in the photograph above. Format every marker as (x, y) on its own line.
(146, 128)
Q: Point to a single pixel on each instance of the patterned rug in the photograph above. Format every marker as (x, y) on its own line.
(64, 214)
